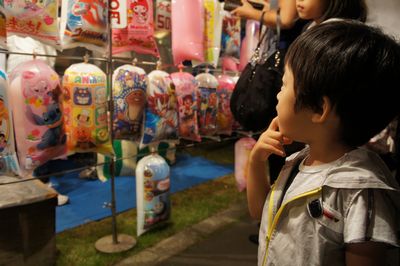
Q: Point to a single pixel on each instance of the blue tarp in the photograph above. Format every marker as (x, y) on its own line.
(88, 198)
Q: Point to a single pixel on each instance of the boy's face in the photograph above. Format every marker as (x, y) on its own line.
(295, 125)
(310, 9)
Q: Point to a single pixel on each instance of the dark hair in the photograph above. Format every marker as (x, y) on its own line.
(347, 9)
(357, 67)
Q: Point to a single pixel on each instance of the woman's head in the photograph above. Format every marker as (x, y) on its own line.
(355, 67)
(321, 10)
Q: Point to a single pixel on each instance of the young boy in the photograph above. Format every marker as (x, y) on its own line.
(333, 202)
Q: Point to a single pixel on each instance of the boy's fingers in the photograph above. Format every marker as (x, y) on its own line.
(287, 140)
(274, 124)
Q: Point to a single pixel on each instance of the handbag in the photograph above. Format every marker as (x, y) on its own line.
(254, 100)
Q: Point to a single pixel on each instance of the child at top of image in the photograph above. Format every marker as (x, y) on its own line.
(334, 202)
(322, 10)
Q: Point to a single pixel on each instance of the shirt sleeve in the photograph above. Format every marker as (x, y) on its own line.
(371, 218)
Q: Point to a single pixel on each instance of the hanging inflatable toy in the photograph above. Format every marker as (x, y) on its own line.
(249, 43)
(84, 23)
(242, 151)
(8, 157)
(185, 90)
(213, 15)
(86, 109)
(152, 192)
(138, 35)
(36, 19)
(161, 115)
(225, 119)
(35, 95)
(207, 104)
(129, 97)
(187, 30)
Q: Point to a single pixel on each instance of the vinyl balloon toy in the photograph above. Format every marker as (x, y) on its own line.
(8, 158)
(152, 195)
(187, 30)
(129, 97)
(207, 104)
(35, 94)
(161, 115)
(86, 109)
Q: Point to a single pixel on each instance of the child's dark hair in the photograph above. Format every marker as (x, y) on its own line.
(347, 9)
(356, 67)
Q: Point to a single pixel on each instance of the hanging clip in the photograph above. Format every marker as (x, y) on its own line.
(34, 54)
(134, 61)
(86, 58)
(180, 67)
(159, 64)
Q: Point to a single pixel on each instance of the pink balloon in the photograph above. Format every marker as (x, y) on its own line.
(187, 30)
(35, 99)
(249, 43)
(242, 150)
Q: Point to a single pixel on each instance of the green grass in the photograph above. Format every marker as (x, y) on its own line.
(76, 246)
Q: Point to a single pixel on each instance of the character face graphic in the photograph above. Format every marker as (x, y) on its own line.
(135, 98)
(140, 11)
(82, 96)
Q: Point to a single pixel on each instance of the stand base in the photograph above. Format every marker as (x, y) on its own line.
(106, 245)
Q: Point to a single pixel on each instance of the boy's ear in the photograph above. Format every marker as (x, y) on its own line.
(322, 116)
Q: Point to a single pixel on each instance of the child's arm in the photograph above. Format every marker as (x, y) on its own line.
(288, 13)
(366, 254)
(270, 142)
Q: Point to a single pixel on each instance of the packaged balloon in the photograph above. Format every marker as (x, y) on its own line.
(225, 119)
(36, 19)
(35, 95)
(230, 43)
(249, 43)
(162, 18)
(186, 94)
(187, 30)
(242, 151)
(8, 157)
(86, 109)
(138, 36)
(212, 31)
(161, 114)
(129, 97)
(207, 104)
(84, 23)
(152, 192)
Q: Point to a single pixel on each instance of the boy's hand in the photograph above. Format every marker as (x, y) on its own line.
(270, 142)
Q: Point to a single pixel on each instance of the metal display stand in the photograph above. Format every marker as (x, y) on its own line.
(116, 242)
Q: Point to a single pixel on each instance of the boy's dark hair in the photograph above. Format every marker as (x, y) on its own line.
(357, 67)
(347, 9)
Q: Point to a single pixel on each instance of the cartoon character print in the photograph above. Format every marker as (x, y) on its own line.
(92, 12)
(36, 85)
(140, 9)
(208, 110)
(130, 100)
(83, 137)
(52, 118)
(187, 111)
(83, 118)
(82, 96)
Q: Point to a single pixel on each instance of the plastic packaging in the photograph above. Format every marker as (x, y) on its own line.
(35, 97)
(86, 109)
(129, 97)
(161, 115)
(152, 192)
(187, 30)
(242, 151)
(207, 104)
(185, 89)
